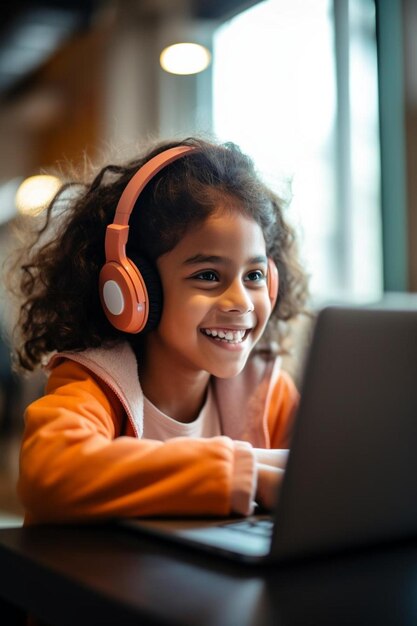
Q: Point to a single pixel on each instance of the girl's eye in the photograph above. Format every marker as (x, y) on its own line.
(256, 276)
(208, 275)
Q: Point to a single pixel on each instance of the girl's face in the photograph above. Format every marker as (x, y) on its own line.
(216, 302)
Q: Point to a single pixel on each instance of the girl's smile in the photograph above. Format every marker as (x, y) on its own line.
(231, 336)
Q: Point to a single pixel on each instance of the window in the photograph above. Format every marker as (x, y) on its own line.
(295, 85)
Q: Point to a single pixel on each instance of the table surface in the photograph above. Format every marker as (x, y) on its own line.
(107, 575)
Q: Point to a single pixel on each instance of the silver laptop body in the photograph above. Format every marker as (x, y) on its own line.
(351, 477)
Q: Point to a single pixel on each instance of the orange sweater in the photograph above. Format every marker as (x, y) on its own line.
(83, 458)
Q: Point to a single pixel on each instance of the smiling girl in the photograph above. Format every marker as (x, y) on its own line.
(154, 308)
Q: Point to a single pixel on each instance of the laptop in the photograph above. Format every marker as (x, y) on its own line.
(351, 476)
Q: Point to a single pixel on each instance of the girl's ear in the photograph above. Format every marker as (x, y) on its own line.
(272, 282)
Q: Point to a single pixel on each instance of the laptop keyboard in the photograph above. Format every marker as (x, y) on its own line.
(259, 527)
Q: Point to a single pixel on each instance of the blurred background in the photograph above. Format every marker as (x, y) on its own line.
(321, 93)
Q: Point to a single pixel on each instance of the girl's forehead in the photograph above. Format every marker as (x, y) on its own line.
(229, 216)
(223, 231)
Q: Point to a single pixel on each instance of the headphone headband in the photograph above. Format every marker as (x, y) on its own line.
(117, 232)
(142, 177)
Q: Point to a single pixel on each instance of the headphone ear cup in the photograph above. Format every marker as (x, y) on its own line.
(153, 285)
(123, 296)
(272, 282)
(131, 297)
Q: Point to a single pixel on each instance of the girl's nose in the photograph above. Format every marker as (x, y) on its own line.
(236, 299)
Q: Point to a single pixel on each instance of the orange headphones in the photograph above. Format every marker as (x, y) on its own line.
(129, 296)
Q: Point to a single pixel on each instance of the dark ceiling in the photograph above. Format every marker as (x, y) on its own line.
(31, 31)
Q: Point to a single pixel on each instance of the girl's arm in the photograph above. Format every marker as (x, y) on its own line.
(75, 467)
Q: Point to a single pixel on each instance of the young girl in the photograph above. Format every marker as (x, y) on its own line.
(147, 306)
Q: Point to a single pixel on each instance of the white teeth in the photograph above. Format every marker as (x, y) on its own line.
(239, 334)
(230, 336)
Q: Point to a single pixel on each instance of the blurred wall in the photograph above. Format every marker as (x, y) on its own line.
(103, 89)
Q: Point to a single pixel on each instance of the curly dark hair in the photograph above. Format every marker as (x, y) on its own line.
(57, 271)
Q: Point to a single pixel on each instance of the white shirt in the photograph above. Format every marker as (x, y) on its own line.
(160, 427)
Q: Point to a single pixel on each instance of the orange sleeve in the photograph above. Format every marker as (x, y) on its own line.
(281, 411)
(75, 467)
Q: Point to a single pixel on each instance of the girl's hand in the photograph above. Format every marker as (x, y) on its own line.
(269, 482)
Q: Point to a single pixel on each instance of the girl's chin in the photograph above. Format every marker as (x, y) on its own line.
(228, 372)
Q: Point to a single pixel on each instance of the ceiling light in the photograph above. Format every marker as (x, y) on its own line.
(185, 58)
(35, 193)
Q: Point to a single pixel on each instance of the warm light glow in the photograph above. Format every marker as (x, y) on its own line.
(35, 193)
(185, 58)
